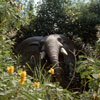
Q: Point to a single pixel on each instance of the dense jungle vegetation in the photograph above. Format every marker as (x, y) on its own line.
(77, 19)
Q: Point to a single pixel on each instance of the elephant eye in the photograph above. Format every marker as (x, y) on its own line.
(60, 40)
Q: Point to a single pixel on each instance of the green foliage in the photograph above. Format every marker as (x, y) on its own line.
(13, 14)
(5, 52)
(84, 19)
(88, 67)
(95, 7)
(51, 18)
(9, 16)
(72, 18)
(10, 88)
(75, 19)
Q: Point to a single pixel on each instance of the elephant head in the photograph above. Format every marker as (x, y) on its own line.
(51, 46)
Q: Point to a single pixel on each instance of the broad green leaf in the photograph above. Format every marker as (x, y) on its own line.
(96, 76)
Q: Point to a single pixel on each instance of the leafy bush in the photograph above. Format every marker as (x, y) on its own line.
(88, 67)
(5, 52)
(72, 18)
(10, 17)
(10, 87)
(13, 86)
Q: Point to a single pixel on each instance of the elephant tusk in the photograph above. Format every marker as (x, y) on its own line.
(64, 51)
(42, 54)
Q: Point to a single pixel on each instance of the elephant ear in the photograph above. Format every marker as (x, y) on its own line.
(68, 43)
(35, 43)
(29, 46)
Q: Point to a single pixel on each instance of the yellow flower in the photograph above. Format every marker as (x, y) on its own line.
(21, 82)
(23, 74)
(99, 75)
(10, 69)
(20, 8)
(36, 84)
(51, 71)
(22, 77)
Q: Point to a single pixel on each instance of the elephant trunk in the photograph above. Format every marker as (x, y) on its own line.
(54, 58)
(53, 53)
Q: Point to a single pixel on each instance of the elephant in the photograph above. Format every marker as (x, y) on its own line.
(55, 48)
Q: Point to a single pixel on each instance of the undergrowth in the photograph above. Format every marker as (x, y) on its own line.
(39, 86)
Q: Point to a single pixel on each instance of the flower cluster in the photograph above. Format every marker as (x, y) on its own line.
(10, 69)
(51, 71)
(21, 8)
(36, 84)
(22, 77)
(23, 74)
